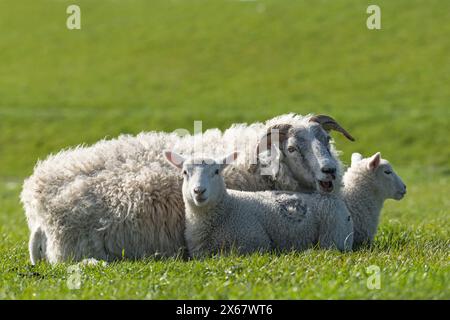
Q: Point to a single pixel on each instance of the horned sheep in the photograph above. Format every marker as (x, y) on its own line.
(121, 198)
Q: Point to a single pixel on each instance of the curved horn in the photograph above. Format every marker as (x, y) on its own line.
(328, 123)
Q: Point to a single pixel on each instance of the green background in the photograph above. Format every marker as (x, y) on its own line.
(139, 65)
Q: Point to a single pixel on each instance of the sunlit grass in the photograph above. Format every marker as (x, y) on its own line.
(158, 65)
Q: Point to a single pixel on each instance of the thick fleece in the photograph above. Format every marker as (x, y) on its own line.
(120, 197)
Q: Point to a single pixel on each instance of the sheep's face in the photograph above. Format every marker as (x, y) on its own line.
(387, 183)
(203, 184)
(307, 153)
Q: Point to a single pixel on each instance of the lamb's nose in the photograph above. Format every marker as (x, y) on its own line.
(199, 190)
(329, 170)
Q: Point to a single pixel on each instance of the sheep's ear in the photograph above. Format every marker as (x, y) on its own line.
(174, 159)
(374, 161)
(265, 142)
(229, 159)
(356, 157)
(270, 162)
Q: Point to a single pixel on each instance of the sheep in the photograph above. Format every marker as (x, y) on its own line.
(367, 184)
(121, 198)
(219, 220)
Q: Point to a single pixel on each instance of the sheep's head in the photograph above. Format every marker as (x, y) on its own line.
(305, 150)
(381, 174)
(203, 182)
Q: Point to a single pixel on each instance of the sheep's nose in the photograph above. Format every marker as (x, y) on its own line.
(199, 190)
(329, 170)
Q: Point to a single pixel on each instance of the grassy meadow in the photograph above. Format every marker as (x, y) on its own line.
(139, 65)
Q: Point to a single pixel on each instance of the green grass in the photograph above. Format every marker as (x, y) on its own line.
(158, 65)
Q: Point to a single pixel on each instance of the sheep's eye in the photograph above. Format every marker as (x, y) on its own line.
(387, 172)
(217, 171)
(291, 149)
(185, 172)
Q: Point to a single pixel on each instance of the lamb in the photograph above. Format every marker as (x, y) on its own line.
(121, 197)
(367, 184)
(219, 219)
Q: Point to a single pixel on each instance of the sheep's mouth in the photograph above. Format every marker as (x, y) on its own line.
(200, 200)
(326, 186)
(400, 195)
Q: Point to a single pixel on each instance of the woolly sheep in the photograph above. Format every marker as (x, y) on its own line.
(122, 196)
(367, 184)
(219, 220)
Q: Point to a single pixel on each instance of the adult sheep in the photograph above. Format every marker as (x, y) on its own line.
(77, 198)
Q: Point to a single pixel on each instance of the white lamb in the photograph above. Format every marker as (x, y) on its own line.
(367, 184)
(219, 220)
(121, 197)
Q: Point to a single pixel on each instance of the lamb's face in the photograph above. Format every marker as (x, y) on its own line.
(389, 182)
(203, 183)
(386, 181)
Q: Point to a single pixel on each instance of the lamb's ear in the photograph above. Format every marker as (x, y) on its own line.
(174, 159)
(374, 161)
(229, 159)
(356, 157)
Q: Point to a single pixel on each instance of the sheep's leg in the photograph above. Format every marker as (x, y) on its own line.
(36, 245)
(337, 232)
(343, 233)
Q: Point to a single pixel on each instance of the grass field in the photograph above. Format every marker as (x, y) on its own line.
(158, 65)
